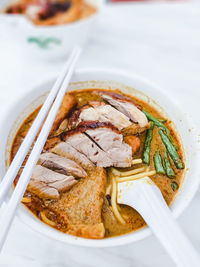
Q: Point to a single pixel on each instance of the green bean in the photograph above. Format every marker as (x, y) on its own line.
(174, 186)
(171, 150)
(147, 144)
(157, 122)
(158, 163)
(162, 120)
(169, 171)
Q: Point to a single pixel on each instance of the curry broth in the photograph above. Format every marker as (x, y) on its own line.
(133, 220)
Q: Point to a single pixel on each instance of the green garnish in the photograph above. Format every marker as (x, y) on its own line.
(157, 122)
(174, 186)
(169, 171)
(147, 144)
(158, 163)
(171, 150)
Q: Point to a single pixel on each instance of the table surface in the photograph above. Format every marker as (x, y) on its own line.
(158, 41)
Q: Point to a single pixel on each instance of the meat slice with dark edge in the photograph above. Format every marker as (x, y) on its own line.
(81, 206)
(99, 111)
(111, 141)
(125, 105)
(61, 164)
(86, 146)
(65, 149)
(48, 184)
(101, 142)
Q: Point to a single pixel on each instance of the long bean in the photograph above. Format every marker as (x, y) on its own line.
(160, 124)
(171, 150)
(174, 186)
(169, 171)
(158, 163)
(147, 144)
(162, 120)
(157, 122)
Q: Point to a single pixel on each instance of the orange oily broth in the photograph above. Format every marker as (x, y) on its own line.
(133, 220)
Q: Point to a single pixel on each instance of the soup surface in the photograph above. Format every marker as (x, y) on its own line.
(85, 205)
(52, 12)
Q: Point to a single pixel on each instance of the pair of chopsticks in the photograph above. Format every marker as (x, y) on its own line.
(51, 105)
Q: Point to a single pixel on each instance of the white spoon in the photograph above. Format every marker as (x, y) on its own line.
(144, 196)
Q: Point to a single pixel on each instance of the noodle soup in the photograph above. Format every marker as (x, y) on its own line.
(98, 138)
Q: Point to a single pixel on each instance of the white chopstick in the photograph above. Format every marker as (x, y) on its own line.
(9, 212)
(30, 137)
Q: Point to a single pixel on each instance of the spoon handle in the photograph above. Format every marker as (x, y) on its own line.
(153, 208)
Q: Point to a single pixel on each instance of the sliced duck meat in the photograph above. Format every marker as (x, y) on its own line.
(118, 96)
(99, 111)
(88, 114)
(101, 142)
(109, 114)
(106, 138)
(65, 149)
(48, 184)
(62, 165)
(81, 206)
(111, 141)
(135, 129)
(86, 146)
(128, 108)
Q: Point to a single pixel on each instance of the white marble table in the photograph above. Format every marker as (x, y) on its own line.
(160, 42)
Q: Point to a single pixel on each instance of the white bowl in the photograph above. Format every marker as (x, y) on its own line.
(109, 79)
(65, 36)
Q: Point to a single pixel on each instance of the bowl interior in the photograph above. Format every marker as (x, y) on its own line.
(132, 85)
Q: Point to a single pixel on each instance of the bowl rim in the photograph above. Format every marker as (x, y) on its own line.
(42, 228)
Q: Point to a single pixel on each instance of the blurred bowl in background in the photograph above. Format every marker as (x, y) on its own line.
(49, 42)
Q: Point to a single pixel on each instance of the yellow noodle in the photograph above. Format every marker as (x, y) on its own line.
(114, 202)
(127, 173)
(108, 190)
(46, 220)
(136, 176)
(136, 161)
(26, 199)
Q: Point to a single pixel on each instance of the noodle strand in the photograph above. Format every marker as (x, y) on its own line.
(114, 202)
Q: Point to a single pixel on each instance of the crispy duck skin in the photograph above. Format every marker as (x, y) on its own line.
(99, 111)
(87, 125)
